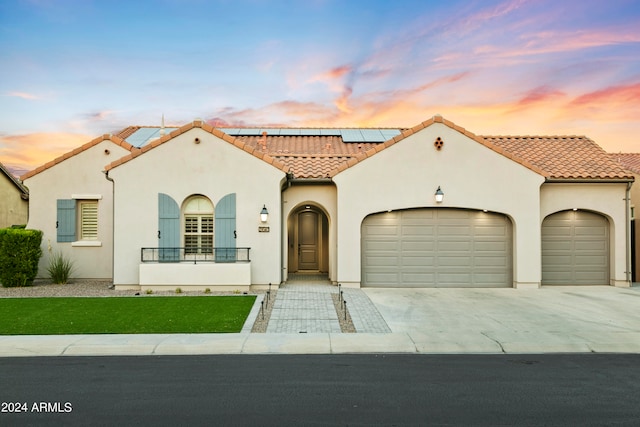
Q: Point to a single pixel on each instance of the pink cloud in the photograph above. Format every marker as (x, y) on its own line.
(23, 95)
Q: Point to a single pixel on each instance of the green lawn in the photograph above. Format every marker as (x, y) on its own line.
(123, 315)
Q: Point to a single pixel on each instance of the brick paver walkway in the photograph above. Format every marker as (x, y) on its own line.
(306, 307)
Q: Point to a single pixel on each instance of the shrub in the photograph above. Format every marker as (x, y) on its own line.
(20, 253)
(60, 268)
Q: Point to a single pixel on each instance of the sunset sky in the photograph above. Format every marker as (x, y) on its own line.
(73, 70)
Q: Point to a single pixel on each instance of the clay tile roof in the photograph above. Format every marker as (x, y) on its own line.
(562, 157)
(629, 161)
(207, 128)
(307, 156)
(115, 139)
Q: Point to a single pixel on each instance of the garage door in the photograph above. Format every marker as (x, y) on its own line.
(436, 248)
(575, 249)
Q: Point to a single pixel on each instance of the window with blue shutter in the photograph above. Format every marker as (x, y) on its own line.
(66, 220)
(168, 229)
(225, 225)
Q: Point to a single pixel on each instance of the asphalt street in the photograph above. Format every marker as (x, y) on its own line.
(357, 389)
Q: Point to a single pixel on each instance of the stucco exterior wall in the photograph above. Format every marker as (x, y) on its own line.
(78, 175)
(603, 198)
(181, 168)
(13, 209)
(407, 174)
(322, 196)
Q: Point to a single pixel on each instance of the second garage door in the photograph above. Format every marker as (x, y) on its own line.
(437, 248)
(575, 249)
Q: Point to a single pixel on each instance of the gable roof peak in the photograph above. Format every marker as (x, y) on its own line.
(106, 137)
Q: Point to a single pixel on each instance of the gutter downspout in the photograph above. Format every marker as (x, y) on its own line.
(627, 200)
(113, 225)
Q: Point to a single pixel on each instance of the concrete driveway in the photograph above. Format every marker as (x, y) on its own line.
(550, 319)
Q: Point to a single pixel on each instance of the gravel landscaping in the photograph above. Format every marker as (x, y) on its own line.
(94, 288)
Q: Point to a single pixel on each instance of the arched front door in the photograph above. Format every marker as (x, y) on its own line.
(308, 240)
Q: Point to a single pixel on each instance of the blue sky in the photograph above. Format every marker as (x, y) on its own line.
(73, 70)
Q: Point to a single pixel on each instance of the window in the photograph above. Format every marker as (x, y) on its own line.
(88, 222)
(198, 226)
(77, 220)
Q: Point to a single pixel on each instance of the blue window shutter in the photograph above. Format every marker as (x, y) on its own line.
(66, 220)
(168, 229)
(225, 229)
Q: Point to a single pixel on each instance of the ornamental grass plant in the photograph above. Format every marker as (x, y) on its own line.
(60, 268)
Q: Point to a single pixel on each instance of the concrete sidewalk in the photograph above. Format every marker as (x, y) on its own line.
(547, 320)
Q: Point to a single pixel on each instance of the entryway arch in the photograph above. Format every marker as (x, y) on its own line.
(308, 239)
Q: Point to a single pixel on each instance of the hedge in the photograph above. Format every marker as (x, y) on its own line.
(20, 253)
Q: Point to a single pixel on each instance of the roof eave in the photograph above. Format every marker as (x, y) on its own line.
(589, 180)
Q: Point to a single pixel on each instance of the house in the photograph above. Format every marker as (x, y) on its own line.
(431, 206)
(15, 200)
(631, 162)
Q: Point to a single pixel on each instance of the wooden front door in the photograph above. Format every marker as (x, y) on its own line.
(308, 241)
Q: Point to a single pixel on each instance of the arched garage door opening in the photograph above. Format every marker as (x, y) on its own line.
(575, 249)
(437, 247)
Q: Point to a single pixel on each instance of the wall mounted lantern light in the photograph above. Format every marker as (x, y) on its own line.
(439, 195)
(264, 214)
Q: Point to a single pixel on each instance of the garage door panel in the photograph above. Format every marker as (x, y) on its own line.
(587, 231)
(492, 245)
(558, 231)
(490, 261)
(486, 230)
(590, 262)
(382, 245)
(381, 261)
(438, 248)
(458, 261)
(591, 245)
(454, 279)
(383, 230)
(453, 230)
(556, 259)
(419, 261)
(459, 246)
(417, 245)
(558, 246)
(382, 278)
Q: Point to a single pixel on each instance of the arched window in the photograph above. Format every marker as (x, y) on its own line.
(198, 225)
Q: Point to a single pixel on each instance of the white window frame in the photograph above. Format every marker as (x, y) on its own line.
(83, 200)
(203, 219)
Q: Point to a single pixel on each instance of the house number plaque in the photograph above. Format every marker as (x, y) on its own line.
(263, 229)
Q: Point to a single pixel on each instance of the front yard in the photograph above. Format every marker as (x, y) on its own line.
(124, 315)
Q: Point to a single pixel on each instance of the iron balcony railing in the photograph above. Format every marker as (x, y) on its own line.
(195, 255)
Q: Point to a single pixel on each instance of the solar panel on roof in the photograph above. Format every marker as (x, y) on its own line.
(352, 135)
(249, 132)
(330, 132)
(230, 131)
(289, 132)
(389, 133)
(143, 135)
(372, 135)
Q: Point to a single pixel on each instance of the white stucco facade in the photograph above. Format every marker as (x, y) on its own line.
(472, 176)
(76, 178)
(398, 175)
(181, 168)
